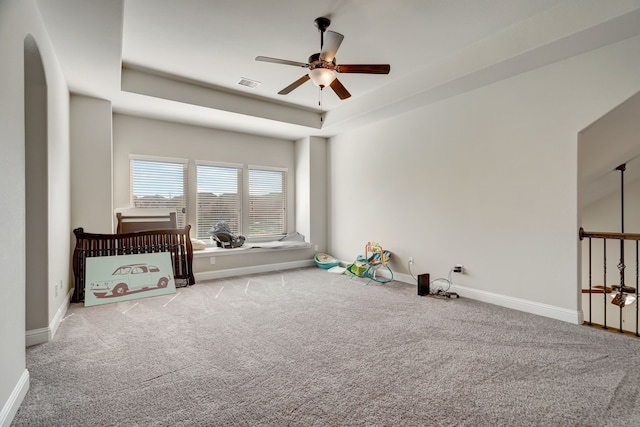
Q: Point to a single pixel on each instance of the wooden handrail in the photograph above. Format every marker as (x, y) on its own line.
(606, 235)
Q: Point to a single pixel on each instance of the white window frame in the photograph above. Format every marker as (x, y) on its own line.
(244, 208)
(181, 211)
(203, 231)
(247, 205)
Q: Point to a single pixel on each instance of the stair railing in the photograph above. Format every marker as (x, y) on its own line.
(621, 291)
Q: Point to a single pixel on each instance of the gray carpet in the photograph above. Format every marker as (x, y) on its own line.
(310, 348)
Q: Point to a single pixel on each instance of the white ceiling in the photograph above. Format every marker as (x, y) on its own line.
(185, 57)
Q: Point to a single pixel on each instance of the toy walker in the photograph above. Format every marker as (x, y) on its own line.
(377, 258)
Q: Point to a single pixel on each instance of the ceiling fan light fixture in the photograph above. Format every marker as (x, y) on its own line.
(622, 300)
(322, 77)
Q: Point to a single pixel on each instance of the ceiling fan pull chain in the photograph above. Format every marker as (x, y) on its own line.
(320, 102)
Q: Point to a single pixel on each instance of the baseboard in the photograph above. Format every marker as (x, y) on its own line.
(405, 278)
(43, 335)
(16, 397)
(265, 268)
(546, 310)
(38, 336)
(62, 311)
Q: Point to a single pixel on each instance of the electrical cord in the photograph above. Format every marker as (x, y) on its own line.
(433, 291)
(409, 264)
(441, 290)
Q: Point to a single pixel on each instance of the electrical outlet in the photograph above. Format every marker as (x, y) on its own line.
(410, 260)
(315, 248)
(458, 268)
(212, 260)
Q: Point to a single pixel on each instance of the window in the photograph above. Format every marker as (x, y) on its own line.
(159, 183)
(252, 200)
(219, 197)
(267, 202)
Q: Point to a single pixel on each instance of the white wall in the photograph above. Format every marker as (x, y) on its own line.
(487, 179)
(311, 190)
(319, 191)
(303, 186)
(17, 20)
(604, 145)
(59, 193)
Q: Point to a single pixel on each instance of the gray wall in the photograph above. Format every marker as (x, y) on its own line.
(91, 168)
(141, 136)
(100, 170)
(135, 135)
(36, 188)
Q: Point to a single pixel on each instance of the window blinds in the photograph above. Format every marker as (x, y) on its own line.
(267, 202)
(219, 197)
(159, 184)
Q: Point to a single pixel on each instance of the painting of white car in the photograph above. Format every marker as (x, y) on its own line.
(130, 278)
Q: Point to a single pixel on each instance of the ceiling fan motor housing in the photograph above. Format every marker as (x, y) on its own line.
(316, 62)
(322, 23)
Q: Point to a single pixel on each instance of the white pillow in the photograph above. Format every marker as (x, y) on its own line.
(198, 245)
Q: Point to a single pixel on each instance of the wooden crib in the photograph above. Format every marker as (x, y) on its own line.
(176, 241)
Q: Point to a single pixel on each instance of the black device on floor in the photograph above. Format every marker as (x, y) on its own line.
(423, 284)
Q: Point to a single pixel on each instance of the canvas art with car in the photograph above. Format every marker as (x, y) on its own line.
(125, 277)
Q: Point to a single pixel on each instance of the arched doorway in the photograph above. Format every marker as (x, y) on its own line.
(36, 194)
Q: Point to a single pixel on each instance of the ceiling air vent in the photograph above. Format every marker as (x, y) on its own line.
(248, 83)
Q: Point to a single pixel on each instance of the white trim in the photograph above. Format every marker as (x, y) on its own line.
(158, 158)
(405, 278)
(145, 212)
(15, 400)
(38, 336)
(546, 310)
(230, 272)
(267, 168)
(43, 335)
(540, 309)
(248, 250)
(62, 311)
(218, 164)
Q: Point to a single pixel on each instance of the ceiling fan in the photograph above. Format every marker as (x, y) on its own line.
(322, 66)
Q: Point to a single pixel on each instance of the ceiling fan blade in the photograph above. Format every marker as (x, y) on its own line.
(339, 89)
(294, 85)
(282, 61)
(364, 68)
(331, 43)
(601, 289)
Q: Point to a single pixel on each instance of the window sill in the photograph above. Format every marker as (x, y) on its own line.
(247, 248)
